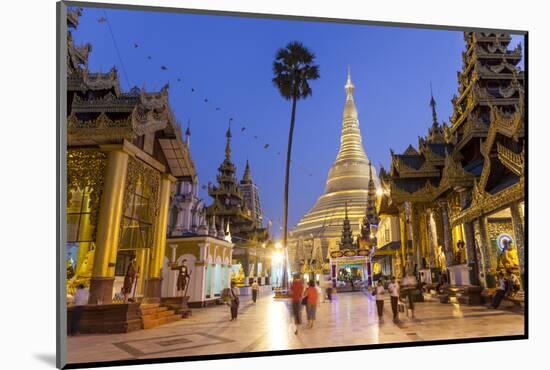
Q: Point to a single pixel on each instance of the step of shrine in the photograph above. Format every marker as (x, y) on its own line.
(153, 315)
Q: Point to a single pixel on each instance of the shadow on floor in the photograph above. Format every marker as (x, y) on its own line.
(47, 358)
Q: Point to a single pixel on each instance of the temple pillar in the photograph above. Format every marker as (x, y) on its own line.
(158, 251)
(447, 238)
(471, 253)
(404, 240)
(416, 242)
(468, 238)
(108, 227)
(517, 224)
(482, 240)
(425, 239)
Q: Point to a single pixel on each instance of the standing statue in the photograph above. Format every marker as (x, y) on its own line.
(442, 261)
(130, 279)
(459, 257)
(184, 275)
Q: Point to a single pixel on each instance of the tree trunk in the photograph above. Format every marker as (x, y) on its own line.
(287, 179)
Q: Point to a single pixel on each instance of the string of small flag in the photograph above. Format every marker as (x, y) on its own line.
(243, 129)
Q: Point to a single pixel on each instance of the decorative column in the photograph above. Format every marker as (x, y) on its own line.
(414, 222)
(404, 239)
(158, 251)
(447, 238)
(517, 224)
(480, 235)
(108, 227)
(471, 254)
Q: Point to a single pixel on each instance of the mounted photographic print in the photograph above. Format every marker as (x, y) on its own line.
(238, 185)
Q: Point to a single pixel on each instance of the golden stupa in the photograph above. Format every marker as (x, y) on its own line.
(319, 230)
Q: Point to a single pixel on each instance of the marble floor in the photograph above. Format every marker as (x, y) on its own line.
(350, 319)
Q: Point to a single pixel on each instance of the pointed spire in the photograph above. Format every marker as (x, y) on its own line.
(247, 176)
(188, 133)
(349, 86)
(228, 145)
(432, 103)
(346, 210)
(347, 238)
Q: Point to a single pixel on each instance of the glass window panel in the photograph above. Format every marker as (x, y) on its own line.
(72, 227)
(75, 204)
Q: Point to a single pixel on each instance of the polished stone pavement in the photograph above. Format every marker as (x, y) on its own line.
(350, 319)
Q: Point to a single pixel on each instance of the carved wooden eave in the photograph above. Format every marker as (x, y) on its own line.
(105, 130)
(508, 125)
(410, 151)
(432, 158)
(108, 103)
(473, 127)
(513, 161)
(496, 71)
(102, 81)
(514, 54)
(424, 194)
(485, 203)
(155, 100)
(405, 171)
(452, 175)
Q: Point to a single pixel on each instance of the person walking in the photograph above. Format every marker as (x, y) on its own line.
(379, 293)
(297, 292)
(312, 298)
(81, 297)
(501, 291)
(255, 290)
(393, 288)
(234, 301)
(409, 284)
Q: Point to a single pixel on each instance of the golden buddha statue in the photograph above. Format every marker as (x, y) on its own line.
(508, 259)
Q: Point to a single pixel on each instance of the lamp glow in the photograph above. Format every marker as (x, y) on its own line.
(277, 257)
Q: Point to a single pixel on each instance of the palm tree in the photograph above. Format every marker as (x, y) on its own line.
(293, 68)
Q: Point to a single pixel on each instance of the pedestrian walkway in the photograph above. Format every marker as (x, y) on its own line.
(350, 319)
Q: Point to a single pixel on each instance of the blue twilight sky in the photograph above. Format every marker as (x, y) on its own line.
(228, 60)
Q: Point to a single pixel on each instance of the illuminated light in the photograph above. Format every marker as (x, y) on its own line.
(278, 245)
(277, 257)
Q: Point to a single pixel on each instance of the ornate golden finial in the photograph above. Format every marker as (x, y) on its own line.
(349, 85)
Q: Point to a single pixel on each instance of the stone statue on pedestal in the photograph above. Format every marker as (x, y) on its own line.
(184, 275)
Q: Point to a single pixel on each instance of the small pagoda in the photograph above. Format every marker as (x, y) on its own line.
(229, 213)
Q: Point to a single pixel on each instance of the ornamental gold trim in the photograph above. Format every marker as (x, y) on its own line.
(86, 169)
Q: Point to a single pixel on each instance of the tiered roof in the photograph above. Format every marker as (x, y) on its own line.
(488, 105)
(229, 203)
(99, 112)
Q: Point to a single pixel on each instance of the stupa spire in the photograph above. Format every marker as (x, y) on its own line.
(347, 237)
(432, 104)
(349, 86)
(347, 183)
(228, 144)
(247, 176)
